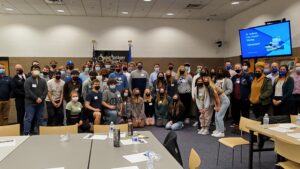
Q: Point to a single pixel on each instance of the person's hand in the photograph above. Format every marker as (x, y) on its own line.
(217, 109)
(80, 123)
(54, 104)
(112, 107)
(274, 102)
(119, 113)
(193, 99)
(39, 100)
(96, 110)
(59, 104)
(171, 122)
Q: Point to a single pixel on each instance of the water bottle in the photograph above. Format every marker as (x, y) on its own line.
(298, 119)
(150, 161)
(266, 121)
(111, 130)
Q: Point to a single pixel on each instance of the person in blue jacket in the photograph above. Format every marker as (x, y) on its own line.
(121, 79)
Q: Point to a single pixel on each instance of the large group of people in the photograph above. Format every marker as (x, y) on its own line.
(102, 92)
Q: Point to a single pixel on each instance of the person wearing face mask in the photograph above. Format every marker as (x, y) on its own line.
(5, 90)
(121, 79)
(162, 104)
(53, 68)
(187, 67)
(93, 105)
(149, 102)
(126, 115)
(171, 83)
(296, 91)
(73, 109)
(17, 86)
(153, 75)
(184, 83)
(246, 67)
(66, 75)
(35, 62)
(283, 89)
(138, 109)
(194, 106)
(175, 114)
(160, 82)
(87, 85)
(112, 103)
(171, 69)
(261, 92)
(213, 75)
(103, 78)
(45, 73)
(35, 93)
(228, 67)
(54, 100)
(139, 79)
(73, 85)
(131, 67)
(240, 95)
(127, 74)
(274, 72)
(267, 69)
(107, 65)
(84, 75)
(98, 68)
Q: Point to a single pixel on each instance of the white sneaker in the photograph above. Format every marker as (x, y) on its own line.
(220, 134)
(205, 132)
(201, 131)
(187, 121)
(195, 124)
(215, 132)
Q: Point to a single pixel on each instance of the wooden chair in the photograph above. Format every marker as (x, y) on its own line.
(194, 160)
(232, 142)
(10, 130)
(57, 130)
(293, 118)
(105, 128)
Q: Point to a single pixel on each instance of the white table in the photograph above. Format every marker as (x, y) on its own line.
(5, 151)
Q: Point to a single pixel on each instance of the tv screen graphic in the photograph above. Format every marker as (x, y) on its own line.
(266, 41)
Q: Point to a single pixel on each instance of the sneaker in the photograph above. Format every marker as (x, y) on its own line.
(187, 121)
(205, 132)
(201, 131)
(195, 124)
(232, 125)
(215, 131)
(220, 134)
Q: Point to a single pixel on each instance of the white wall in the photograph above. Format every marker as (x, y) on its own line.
(267, 11)
(64, 36)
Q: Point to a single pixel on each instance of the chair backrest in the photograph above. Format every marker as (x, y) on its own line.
(105, 128)
(293, 118)
(287, 150)
(10, 130)
(194, 160)
(244, 122)
(170, 143)
(57, 130)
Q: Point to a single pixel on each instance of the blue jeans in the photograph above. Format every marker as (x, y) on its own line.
(219, 116)
(110, 116)
(175, 126)
(32, 111)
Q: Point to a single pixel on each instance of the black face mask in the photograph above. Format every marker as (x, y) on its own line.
(140, 67)
(160, 78)
(203, 74)
(20, 71)
(199, 84)
(57, 77)
(168, 76)
(175, 100)
(118, 70)
(71, 67)
(147, 94)
(105, 75)
(161, 94)
(92, 78)
(125, 69)
(257, 75)
(53, 66)
(212, 73)
(45, 73)
(238, 71)
(137, 95)
(206, 83)
(181, 72)
(75, 78)
(97, 87)
(170, 67)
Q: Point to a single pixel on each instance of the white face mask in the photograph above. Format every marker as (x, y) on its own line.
(74, 99)
(245, 67)
(107, 66)
(35, 72)
(125, 94)
(156, 69)
(97, 68)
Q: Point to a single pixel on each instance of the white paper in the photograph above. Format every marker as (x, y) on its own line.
(123, 135)
(288, 126)
(129, 142)
(294, 135)
(57, 168)
(131, 167)
(7, 142)
(95, 137)
(281, 130)
(135, 158)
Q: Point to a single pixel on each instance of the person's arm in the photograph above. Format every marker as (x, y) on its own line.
(268, 90)
(45, 89)
(125, 83)
(290, 87)
(84, 90)
(147, 79)
(193, 88)
(61, 97)
(217, 101)
(229, 87)
(105, 101)
(143, 110)
(28, 92)
(66, 91)
(50, 94)
(88, 106)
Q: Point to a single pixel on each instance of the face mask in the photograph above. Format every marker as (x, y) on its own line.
(105, 75)
(245, 68)
(2, 71)
(198, 71)
(118, 70)
(140, 67)
(175, 100)
(35, 72)
(266, 71)
(203, 74)
(228, 67)
(97, 87)
(125, 94)
(130, 69)
(206, 83)
(171, 67)
(125, 69)
(112, 87)
(160, 78)
(168, 76)
(57, 77)
(187, 68)
(97, 68)
(274, 70)
(20, 71)
(181, 72)
(199, 84)
(137, 95)
(62, 72)
(257, 75)
(53, 66)
(161, 94)
(156, 69)
(45, 73)
(212, 72)
(238, 71)
(298, 70)
(282, 73)
(147, 94)
(75, 78)
(92, 78)
(74, 99)
(71, 67)
(86, 69)
(107, 66)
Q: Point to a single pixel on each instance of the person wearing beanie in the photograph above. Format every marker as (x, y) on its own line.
(261, 91)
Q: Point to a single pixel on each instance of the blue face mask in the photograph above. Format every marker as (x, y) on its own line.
(297, 69)
(228, 67)
(112, 87)
(2, 71)
(274, 70)
(282, 73)
(267, 71)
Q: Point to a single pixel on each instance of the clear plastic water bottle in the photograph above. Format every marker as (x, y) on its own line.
(150, 161)
(266, 121)
(298, 119)
(111, 130)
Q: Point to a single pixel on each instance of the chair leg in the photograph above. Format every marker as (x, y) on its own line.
(232, 157)
(259, 161)
(241, 153)
(218, 154)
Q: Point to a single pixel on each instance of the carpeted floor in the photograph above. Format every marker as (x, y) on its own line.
(207, 147)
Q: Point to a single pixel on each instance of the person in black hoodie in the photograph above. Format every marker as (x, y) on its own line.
(18, 92)
(176, 114)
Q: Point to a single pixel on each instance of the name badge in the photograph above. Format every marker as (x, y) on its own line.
(200, 94)
(142, 75)
(150, 104)
(96, 97)
(183, 80)
(160, 102)
(119, 78)
(157, 90)
(76, 89)
(118, 95)
(172, 85)
(90, 87)
(34, 85)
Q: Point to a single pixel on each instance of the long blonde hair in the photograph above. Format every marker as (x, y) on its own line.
(181, 67)
(164, 98)
(147, 98)
(134, 99)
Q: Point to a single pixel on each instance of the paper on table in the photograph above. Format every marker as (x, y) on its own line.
(131, 167)
(57, 168)
(7, 142)
(294, 135)
(95, 137)
(281, 130)
(135, 158)
(129, 142)
(123, 135)
(288, 126)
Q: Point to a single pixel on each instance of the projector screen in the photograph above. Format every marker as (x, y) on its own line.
(266, 41)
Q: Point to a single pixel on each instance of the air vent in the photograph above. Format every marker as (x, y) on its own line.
(194, 6)
(54, 2)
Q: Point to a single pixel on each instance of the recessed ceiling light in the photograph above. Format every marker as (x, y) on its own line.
(235, 2)
(170, 14)
(60, 11)
(147, 0)
(124, 13)
(9, 9)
